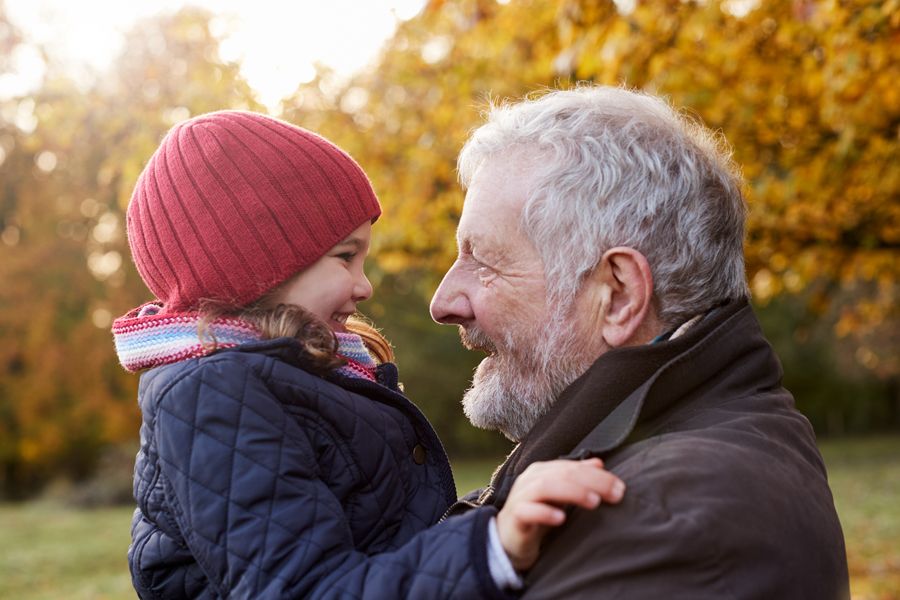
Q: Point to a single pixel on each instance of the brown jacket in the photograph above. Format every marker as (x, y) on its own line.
(727, 493)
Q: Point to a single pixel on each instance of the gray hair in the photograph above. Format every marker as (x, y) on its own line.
(622, 168)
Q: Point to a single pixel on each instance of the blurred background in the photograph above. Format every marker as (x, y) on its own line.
(806, 92)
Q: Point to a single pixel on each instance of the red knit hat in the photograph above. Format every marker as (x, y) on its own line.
(233, 203)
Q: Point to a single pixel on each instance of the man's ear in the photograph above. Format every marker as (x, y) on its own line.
(625, 286)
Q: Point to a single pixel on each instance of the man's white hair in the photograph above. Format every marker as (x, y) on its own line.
(622, 168)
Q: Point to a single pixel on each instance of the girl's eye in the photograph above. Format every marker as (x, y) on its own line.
(346, 256)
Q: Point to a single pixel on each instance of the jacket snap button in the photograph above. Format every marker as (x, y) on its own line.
(419, 454)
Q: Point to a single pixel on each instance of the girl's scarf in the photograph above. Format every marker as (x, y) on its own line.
(145, 338)
(360, 363)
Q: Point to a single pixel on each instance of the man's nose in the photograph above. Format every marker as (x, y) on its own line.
(362, 289)
(450, 304)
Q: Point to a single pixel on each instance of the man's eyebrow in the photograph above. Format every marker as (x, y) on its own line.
(486, 251)
(470, 240)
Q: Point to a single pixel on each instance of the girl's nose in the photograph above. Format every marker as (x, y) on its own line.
(362, 291)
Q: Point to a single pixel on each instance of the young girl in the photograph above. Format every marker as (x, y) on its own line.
(278, 457)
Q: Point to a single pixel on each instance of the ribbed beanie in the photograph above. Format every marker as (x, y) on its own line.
(233, 203)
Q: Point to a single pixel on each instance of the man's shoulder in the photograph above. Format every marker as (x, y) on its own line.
(706, 513)
(722, 474)
(718, 444)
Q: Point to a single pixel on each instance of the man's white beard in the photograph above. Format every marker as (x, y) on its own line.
(518, 383)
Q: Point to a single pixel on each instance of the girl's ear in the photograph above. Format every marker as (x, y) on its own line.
(624, 285)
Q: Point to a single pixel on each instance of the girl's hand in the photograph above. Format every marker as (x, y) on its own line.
(536, 501)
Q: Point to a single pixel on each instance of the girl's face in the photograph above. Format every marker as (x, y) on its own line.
(332, 286)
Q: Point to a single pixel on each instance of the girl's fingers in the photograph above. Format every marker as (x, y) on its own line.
(604, 483)
(568, 482)
(535, 501)
(535, 513)
(561, 492)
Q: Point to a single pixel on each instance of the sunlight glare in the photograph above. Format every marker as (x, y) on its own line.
(278, 44)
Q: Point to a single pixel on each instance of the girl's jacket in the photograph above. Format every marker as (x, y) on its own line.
(257, 479)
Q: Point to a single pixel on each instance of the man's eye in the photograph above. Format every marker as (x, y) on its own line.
(484, 274)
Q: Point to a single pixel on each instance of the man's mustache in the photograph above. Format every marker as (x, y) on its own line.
(474, 338)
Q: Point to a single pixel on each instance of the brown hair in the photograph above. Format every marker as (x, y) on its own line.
(318, 344)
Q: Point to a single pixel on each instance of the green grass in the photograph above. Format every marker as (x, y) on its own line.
(48, 552)
(473, 474)
(865, 480)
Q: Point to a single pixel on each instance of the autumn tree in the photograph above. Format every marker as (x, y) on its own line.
(67, 178)
(805, 92)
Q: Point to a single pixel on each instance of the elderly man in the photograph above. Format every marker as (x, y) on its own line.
(601, 269)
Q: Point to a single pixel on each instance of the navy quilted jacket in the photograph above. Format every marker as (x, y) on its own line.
(257, 479)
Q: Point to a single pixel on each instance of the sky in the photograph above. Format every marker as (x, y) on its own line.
(276, 42)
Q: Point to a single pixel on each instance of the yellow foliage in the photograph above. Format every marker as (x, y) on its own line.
(806, 92)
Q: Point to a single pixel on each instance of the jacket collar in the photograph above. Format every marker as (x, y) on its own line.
(629, 386)
(288, 350)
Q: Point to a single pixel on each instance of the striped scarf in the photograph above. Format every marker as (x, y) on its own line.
(145, 338)
(360, 363)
